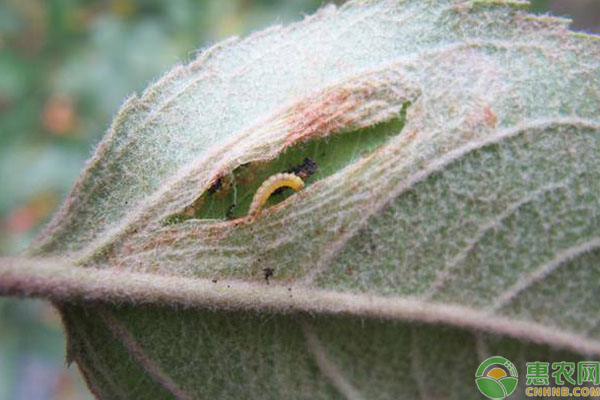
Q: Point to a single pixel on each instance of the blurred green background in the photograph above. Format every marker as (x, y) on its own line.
(65, 67)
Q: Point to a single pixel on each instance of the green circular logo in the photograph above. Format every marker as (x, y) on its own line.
(496, 377)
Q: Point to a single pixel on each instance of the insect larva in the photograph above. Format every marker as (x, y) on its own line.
(304, 170)
(272, 184)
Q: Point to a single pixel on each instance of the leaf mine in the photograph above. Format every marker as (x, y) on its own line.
(451, 211)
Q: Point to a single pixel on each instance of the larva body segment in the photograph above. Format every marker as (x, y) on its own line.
(272, 184)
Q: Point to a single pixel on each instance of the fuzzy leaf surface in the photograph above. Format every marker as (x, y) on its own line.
(455, 214)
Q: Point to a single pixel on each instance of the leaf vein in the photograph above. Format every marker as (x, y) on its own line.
(542, 272)
(327, 368)
(130, 343)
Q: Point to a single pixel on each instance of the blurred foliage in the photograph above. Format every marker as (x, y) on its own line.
(65, 66)
(539, 5)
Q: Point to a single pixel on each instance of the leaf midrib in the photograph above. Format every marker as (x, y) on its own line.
(62, 282)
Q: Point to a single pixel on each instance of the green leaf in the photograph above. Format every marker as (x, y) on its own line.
(454, 214)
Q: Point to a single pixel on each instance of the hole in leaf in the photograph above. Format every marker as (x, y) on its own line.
(230, 196)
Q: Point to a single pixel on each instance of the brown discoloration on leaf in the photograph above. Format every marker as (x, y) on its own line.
(328, 113)
(216, 233)
(246, 173)
(164, 239)
(218, 183)
(479, 118)
(169, 236)
(490, 118)
(410, 135)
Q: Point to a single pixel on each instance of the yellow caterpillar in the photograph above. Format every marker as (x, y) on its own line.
(272, 184)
